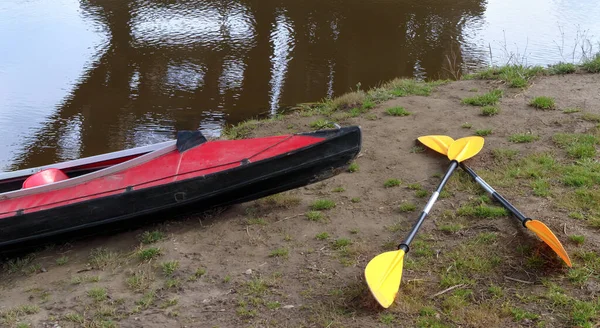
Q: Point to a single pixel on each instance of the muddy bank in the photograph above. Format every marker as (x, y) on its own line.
(297, 259)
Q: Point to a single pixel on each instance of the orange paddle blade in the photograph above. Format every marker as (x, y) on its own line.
(383, 274)
(542, 231)
(437, 143)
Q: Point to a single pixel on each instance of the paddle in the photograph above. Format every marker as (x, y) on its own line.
(384, 272)
(441, 144)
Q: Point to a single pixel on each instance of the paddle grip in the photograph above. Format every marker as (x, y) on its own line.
(496, 195)
(432, 200)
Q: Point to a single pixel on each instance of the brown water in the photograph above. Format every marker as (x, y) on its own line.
(80, 78)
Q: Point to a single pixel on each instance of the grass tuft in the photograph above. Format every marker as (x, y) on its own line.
(523, 138)
(98, 294)
(486, 99)
(570, 110)
(398, 111)
(148, 253)
(392, 183)
(314, 215)
(322, 124)
(322, 236)
(483, 211)
(279, 252)
(515, 76)
(577, 239)
(592, 65)
(489, 110)
(353, 167)
(407, 207)
(543, 102)
(169, 267)
(322, 204)
(150, 237)
(562, 68)
(483, 133)
(578, 146)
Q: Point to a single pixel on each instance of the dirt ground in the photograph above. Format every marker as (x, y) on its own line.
(277, 262)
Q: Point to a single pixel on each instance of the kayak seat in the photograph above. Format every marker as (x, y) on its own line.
(44, 177)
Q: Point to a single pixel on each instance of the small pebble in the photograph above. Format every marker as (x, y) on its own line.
(288, 306)
(249, 271)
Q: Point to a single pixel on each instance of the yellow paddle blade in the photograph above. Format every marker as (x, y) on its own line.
(437, 143)
(383, 274)
(465, 148)
(542, 231)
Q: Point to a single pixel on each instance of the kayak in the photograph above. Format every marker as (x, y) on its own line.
(189, 171)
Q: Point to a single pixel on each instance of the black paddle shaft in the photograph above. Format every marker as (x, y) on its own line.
(496, 195)
(432, 200)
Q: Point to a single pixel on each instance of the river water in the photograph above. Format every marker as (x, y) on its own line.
(80, 78)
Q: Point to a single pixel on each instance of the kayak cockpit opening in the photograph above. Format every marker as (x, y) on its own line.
(44, 177)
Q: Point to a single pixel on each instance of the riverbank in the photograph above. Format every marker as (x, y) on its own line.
(297, 259)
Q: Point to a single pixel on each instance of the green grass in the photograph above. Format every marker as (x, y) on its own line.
(387, 318)
(140, 280)
(577, 145)
(74, 317)
(392, 183)
(466, 125)
(421, 193)
(341, 243)
(407, 207)
(496, 291)
(241, 130)
(515, 76)
(81, 279)
(172, 283)
(520, 314)
(483, 132)
(314, 215)
(256, 221)
(279, 252)
(404, 87)
(322, 236)
(322, 124)
(150, 237)
(504, 154)
(486, 99)
(577, 239)
(62, 260)
(101, 258)
(398, 111)
(199, 272)
(570, 110)
(355, 199)
(353, 167)
(591, 117)
(562, 68)
(414, 186)
(148, 253)
(592, 65)
(416, 149)
(170, 267)
(541, 187)
(543, 102)
(451, 228)
(339, 189)
(523, 138)
(322, 204)
(280, 200)
(483, 211)
(98, 294)
(489, 110)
